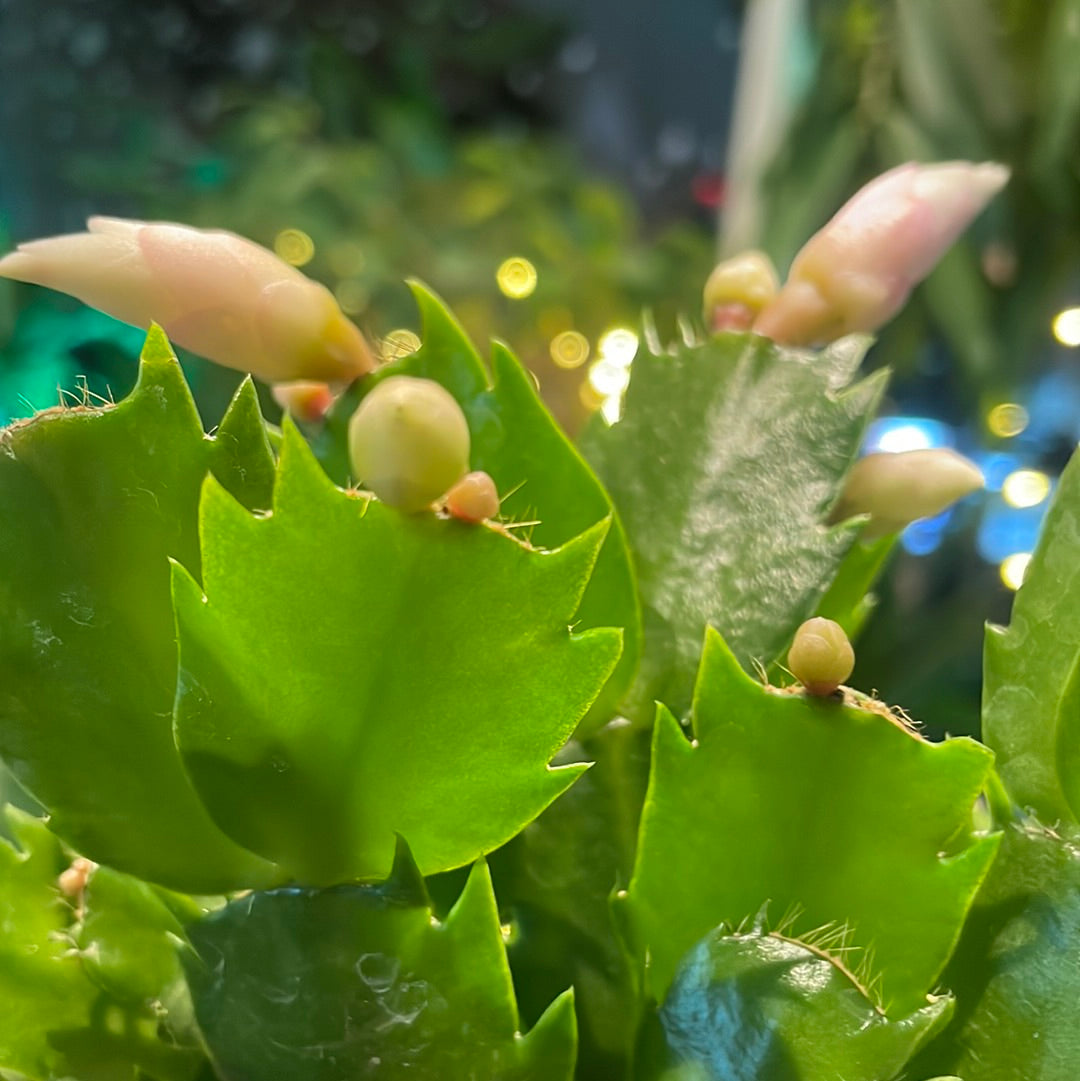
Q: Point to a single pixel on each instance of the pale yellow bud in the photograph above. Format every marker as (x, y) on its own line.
(409, 442)
(821, 657)
(72, 881)
(896, 489)
(737, 289)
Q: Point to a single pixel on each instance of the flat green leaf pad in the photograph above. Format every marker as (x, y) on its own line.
(93, 503)
(540, 476)
(723, 466)
(358, 982)
(1030, 718)
(830, 814)
(1016, 973)
(58, 1018)
(749, 1006)
(354, 672)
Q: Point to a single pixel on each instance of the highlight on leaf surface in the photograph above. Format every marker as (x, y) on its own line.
(409, 442)
(754, 1004)
(367, 975)
(725, 461)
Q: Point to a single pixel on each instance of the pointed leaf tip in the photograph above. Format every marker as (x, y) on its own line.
(406, 884)
(317, 752)
(157, 346)
(720, 813)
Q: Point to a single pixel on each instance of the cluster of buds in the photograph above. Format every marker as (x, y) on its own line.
(238, 304)
(856, 273)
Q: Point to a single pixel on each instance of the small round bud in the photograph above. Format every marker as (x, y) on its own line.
(409, 442)
(306, 401)
(474, 498)
(896, 489)
(73, 881)
(821, 657)
(737, 289)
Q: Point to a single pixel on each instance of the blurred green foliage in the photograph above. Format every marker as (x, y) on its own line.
(901, 80)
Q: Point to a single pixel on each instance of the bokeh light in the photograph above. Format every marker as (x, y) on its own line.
(346, 258)
(619, 346)
(399, 343)
(570, 349)
(996, 466)
(1025, 488)
(1007, 419)
(925, 535)
(608, 378)
(895, 434)
(1066, 327)
(1013, 568)
(352, 295)
(294, 246)
(516, 278)
(611, 408)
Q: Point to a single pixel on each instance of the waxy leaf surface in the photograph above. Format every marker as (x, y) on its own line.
(723, 467)
(1016, 972)
(1031, 705)
(58, 1019)
(750, 1006)
(539, 474)
(837, 814)
(360, 981)
(93, 504)
(354, 672)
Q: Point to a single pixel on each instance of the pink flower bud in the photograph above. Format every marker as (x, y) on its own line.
(474, 498)
(305, 400)
(215, 293)
(857, 272)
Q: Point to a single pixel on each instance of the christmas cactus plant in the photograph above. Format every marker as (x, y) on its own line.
(410, 741)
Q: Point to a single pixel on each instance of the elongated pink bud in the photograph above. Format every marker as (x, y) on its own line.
(215, 293)
(857, 272)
